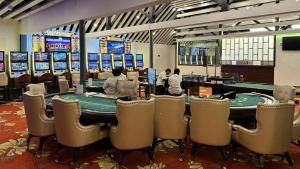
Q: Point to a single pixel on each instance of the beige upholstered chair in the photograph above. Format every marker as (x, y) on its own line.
(135, 127)
(104, 75)
(75, 79)
(209, 123)
(4, 83)
(170, 122)
(37, 88)
(126, 88)
(64, 86)
(133, 76)
(69, 131)
(39, 125)
(273, 133)
(284, 93)
(296, 128)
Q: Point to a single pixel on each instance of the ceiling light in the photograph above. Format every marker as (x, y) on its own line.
(137, 17)
(296, 26)
(262, 29)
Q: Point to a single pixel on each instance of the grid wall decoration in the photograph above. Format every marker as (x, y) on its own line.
(257, 50)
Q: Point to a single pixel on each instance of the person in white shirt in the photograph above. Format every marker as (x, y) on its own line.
(110, 84)
(175, 83)
(122, 76)
(161, 81)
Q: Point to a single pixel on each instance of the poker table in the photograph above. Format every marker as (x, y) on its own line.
(249, 87)
(97, 86)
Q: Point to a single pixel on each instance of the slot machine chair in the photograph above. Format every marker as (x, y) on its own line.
(48, 80)
(21, 83)
(3, 85)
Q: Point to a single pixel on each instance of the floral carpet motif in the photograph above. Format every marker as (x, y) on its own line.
(14, 153)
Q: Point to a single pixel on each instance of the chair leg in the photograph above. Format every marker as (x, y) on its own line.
(194, 149)
(121, 156)
(181, 150)
(234, 149)
(42, 142)
(288, 158)
(76, 152)
(28, 140)
(154, 143)
(224, 153)
(261, 160)
(150, 154)
(58, 148)
(298, 142)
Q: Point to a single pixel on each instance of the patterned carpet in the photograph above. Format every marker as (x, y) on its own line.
(13, 154)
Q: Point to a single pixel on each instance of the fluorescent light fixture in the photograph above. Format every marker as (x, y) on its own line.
(296, 26)
(262, 29)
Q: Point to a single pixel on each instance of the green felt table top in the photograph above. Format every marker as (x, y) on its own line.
(252, 85)
(89, 102)
(242, 100)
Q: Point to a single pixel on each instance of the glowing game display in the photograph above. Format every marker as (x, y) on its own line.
(75, 65)
(93, 56)
(115, 47)
(93, 65)
(39, 66)
(19, 66)
(41, 56)
(1, 67)
(106, 57)
(57, 56)
(75, 56)
(60, 65)
(1, 56)
(118, 63)
(58, 44)
(18, 56)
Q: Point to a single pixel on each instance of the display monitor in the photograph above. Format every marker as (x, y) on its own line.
(60, 65)
(129, 64)
(20, 66)
(188, 60)
(93, 65)
(42, 66)
(106, 56)
(194, 59)
(1, 67)
(59, 56)
(194, 51)
(19, 56)
(106, 64)
(151, 76)
(118, 57)
(118, 64)
(291, 43)
(1, 56)
(139, 63)
(181, 51)
(75, 65)
(75, 56)
(41, 57)
(201, 51)
(128, 57)
(57, 44)
(139, 56)
(115, 47)
(93, 56)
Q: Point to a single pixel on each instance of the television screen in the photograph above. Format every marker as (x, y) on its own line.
(60, 65)
(75, 56)
(118, 57)
(106, 56)
(59, 56)
(181, 51)
(106, 64)
(194, 51)
(291, 43)
(139, 63)
(19, 56)
(93, 65)
(75, 65)
(115, 47)
(41, 57)
(194, 59)
(1, 67)
(118, 64)
(93, 56)
(19, 66)
(151, 76)
(201, 51)
(57, 44)
(128, 57)
(188, 60)
(1, 56)
(129, 64)
(139, 56)
(42, 66)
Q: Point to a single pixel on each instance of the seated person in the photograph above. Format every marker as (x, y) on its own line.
(175, 83)
(161, 80)
(122, 76)
(110, 85)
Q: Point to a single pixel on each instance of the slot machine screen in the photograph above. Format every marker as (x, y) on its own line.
(115, 47)
(106, 57)
(93, 65)
(41, 56)
(18, 56)
(42, 66)
(19, 66)
(182, 59)
(194, 59)
(128, 57)
(194, 51)
(128, 64)
(139, 63)
(139, 57)
(93, 56)
(59, 56)
(106, 64)
(1, 67)
(118, 57)
(1, 56)
(181, 51)
(118, 64)
(75, 56)
(151, 76)
(60, 65)
(188, 60)
(75, 65)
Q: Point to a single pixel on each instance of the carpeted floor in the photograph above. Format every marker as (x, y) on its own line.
(13, 154)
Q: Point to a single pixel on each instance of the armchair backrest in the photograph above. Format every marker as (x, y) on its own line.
(75, 78)
(37, 88)
(134, 76)
(284, 93)
(63, 85)
(3, 79)
(209, 121)
(126, 88)
(104, 75)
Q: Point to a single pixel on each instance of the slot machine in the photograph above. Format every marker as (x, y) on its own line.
(106, 61)
(139, 61)
(181, 55)
(118, 60)
(75, 62)
(41, 63)
(2, 61)
(60, 63)
(19, 64)
(93, 62)
(194, 55)
(129, 64)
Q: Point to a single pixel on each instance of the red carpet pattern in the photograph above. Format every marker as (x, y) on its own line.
(13, 153)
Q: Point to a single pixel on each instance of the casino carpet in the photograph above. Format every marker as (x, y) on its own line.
(13, 154)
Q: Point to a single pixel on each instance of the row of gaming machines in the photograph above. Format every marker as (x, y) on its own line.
(59, 62)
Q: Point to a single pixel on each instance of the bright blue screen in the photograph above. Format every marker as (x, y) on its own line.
(115, 47)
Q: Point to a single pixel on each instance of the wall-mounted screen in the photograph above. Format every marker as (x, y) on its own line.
(151, 76)
(194, 51)
(118, 64)
(93, 56)
(60, 65)
(1, 67)
(115, 47)
(139, 63)
(128, 57)
(19, 66)
(19, 56)
(59, 56)
(93, 65)
(75, 65)
(181, 51)
(291, 43)
(1, 56)
(106, 64)
(75, 56)
(57, 44)
(106, 56)
(139, 56)
(42, 66)
(41, 57)
(194, 59)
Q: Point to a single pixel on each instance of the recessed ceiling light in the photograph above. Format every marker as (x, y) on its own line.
(137, 17)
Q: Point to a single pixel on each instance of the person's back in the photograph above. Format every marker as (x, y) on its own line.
(161, 80)
(175, 83)
(122, 77)
(110, 85)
